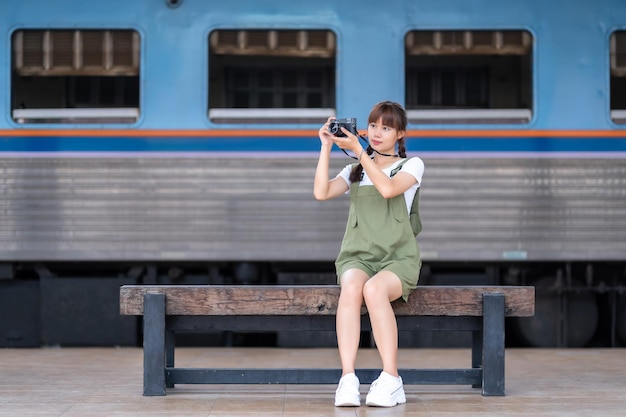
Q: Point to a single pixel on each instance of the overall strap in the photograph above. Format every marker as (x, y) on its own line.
(414, 215)
(399, 167)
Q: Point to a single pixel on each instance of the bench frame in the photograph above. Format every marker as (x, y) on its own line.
(161, 322)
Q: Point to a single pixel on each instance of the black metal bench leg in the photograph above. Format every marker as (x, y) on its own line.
(154, 344)
(477, 353)
(170, 344)
(493, 344)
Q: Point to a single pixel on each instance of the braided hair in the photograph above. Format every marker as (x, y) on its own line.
(393, 115)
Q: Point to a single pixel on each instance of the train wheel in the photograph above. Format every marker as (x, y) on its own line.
(561, 320)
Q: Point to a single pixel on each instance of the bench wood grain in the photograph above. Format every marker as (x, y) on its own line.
(221, 300)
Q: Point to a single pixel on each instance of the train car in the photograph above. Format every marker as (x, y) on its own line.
(175, 141)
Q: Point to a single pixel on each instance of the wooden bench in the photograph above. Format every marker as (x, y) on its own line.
(167, 310)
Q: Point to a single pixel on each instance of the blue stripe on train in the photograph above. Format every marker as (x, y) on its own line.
(302, 144)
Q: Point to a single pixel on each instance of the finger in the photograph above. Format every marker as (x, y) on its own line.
(347, 133)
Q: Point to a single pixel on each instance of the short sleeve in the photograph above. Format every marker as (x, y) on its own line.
(415, 167)
(345, 174)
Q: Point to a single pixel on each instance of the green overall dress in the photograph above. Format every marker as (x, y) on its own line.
(379, 237)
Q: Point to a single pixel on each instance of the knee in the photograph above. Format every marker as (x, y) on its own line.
(374, 293)
(351, 293)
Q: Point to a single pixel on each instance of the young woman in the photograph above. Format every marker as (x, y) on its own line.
(379, 260)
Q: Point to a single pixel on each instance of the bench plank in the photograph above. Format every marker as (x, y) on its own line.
(224, 300)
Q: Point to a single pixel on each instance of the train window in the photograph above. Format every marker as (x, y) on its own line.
(75, 76)
(472, 77)
(618, 77)
(271, 76)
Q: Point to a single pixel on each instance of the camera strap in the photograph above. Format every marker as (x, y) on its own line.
(368, 144)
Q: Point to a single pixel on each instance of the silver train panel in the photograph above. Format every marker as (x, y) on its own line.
(535, 209)
(223, 209)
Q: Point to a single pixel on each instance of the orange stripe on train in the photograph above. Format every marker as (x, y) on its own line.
(304, 132)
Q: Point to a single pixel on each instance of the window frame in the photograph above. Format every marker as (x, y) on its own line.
(82, 116)
(617, 116)
(224, 114)
(467, 115)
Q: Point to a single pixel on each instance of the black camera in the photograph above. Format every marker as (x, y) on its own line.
(349, 123)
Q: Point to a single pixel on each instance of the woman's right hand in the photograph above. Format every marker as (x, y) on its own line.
(325, 136)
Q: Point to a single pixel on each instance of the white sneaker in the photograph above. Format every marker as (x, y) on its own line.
(386, 391)
(347, 394)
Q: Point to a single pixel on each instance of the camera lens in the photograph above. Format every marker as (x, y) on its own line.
(333, 128)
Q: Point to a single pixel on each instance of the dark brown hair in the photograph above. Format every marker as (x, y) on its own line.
(392, 114)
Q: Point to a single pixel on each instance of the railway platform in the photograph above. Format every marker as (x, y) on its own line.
(107, 382)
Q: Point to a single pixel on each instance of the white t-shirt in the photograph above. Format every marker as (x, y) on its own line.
(414, 166)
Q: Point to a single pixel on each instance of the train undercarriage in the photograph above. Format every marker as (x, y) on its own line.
(578, 304)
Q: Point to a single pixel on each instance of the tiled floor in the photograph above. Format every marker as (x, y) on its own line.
(100, 382)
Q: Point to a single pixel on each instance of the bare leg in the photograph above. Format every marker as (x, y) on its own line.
(378, 293)
(349, 317)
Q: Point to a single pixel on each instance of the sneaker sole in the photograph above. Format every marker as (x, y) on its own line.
(373, 403)
(346, 404)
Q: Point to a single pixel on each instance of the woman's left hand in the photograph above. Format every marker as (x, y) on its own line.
(350, 142)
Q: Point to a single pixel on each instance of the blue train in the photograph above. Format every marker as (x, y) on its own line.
(175, 141)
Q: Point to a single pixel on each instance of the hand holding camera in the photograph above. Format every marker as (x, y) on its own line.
(348, 123)
(332, 132)
(343, 140)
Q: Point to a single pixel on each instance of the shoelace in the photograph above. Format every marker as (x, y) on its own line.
(342, 384)
(382, 382)
(376, 383)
